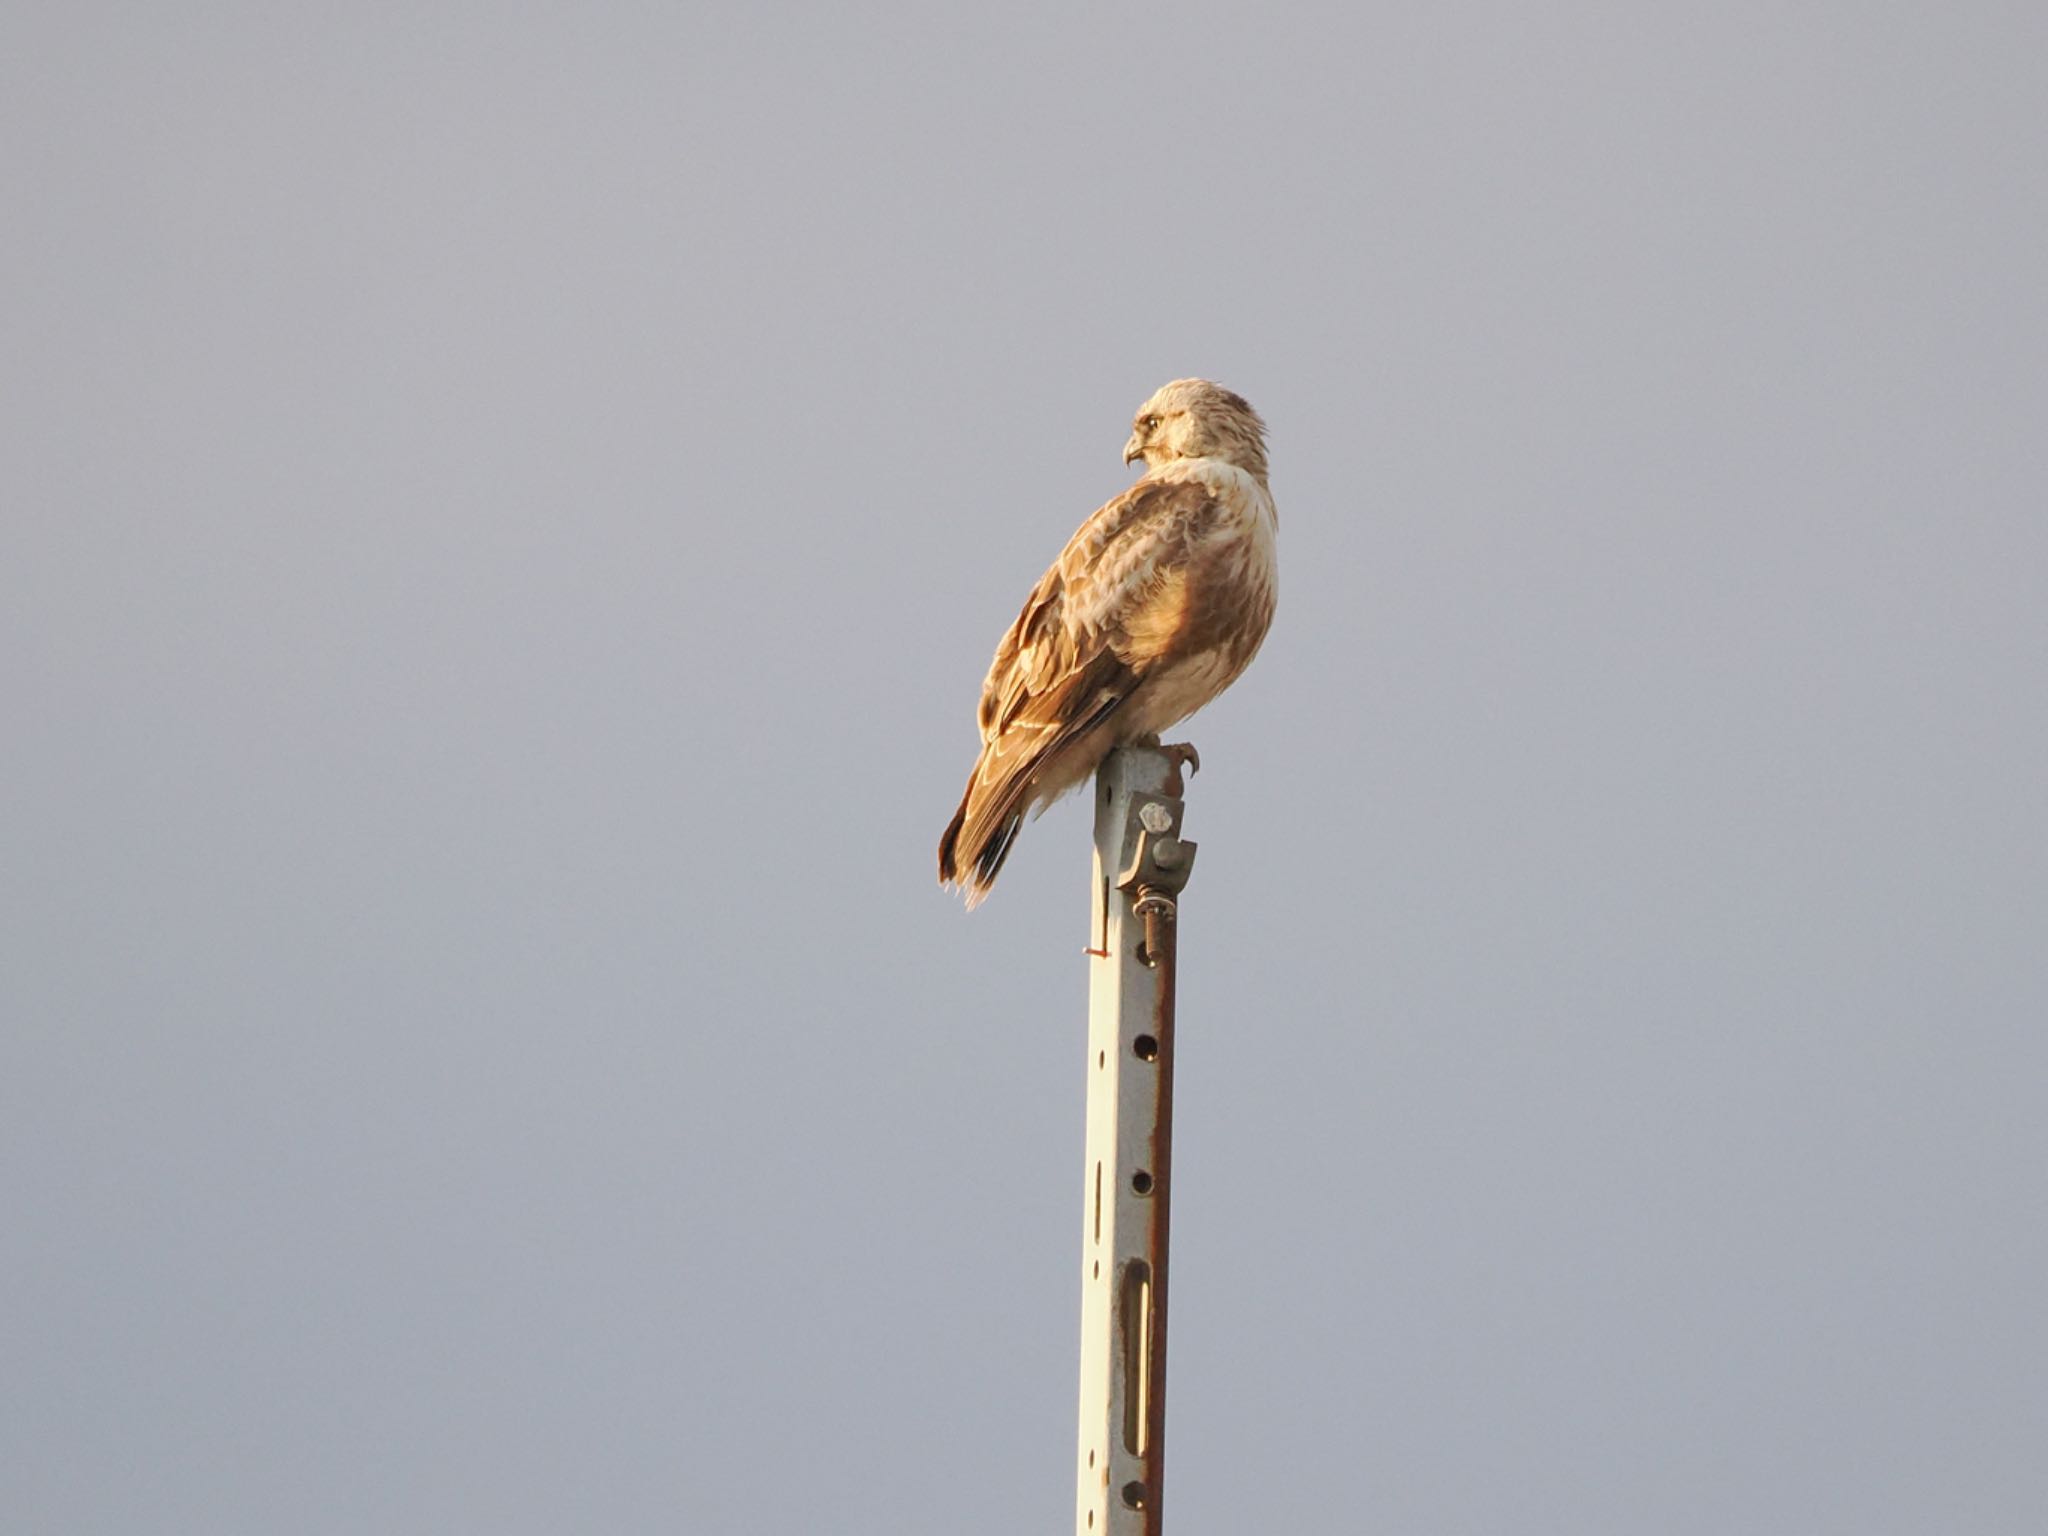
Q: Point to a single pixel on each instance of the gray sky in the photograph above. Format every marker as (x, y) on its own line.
(505, 514)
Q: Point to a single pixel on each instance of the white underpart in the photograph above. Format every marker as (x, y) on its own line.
(1245, 539)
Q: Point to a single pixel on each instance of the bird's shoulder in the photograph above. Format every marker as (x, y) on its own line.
(1142, 520)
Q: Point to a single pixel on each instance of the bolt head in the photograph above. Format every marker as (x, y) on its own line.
(1154, 817)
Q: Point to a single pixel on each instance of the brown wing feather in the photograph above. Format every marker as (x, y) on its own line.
(1005, 782)
(1082, 641)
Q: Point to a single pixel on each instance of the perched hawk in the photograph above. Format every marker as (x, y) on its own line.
(1153, 608)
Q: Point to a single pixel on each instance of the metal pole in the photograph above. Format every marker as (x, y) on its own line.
(1141, 864)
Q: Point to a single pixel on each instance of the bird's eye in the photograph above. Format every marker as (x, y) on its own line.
(1148, 423)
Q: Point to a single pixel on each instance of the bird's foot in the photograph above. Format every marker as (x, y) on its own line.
(1181, 755)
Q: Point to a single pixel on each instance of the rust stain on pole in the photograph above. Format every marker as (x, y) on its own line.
(1160, 949)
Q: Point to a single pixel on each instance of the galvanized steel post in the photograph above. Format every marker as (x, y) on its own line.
(1141, 863)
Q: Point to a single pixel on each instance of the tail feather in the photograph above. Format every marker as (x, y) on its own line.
(982, 832)
(1000, 794)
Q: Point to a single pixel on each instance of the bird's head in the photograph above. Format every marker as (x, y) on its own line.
(1195, 419)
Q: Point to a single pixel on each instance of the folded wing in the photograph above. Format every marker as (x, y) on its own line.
(1094, 627)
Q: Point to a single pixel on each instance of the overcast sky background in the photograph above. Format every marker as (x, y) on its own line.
(506, 510)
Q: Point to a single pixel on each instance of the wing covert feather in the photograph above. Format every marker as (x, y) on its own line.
(1089, 602)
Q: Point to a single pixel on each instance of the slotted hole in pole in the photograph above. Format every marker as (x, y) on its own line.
(1135, 1326)
(1098, 1202)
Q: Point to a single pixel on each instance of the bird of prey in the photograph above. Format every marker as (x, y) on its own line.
(1154, 607)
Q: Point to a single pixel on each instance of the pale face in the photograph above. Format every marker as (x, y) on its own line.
(1165, 428)
(1192, 418)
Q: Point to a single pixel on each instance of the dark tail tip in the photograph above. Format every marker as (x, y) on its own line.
(949, 864)
(973, 870)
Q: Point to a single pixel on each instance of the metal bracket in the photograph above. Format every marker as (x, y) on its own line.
(1157, 865)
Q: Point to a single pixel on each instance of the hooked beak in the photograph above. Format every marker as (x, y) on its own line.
(1133, 450)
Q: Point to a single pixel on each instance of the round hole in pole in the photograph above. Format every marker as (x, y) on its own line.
(1134, 1495)
(1145, 1048)
(1141, 1181)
